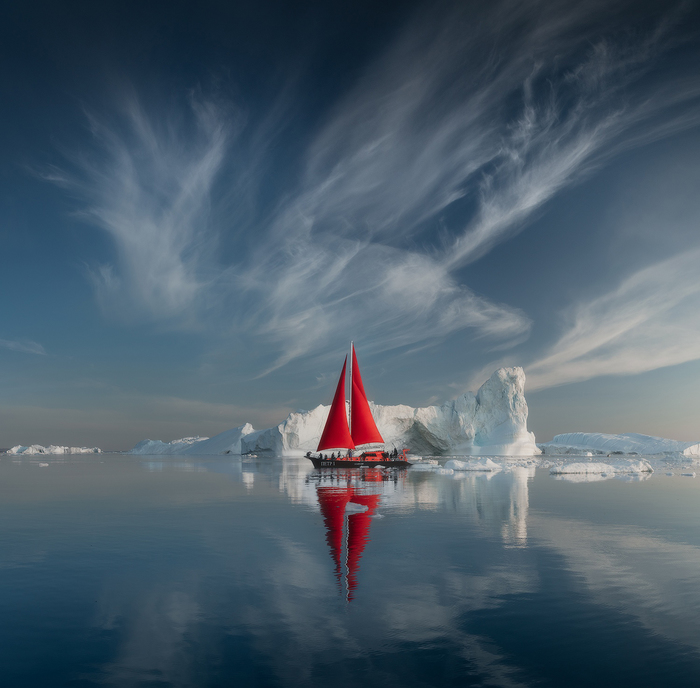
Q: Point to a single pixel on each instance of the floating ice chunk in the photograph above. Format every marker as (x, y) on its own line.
(425, 466)
(352, 508)
(688, 475)
(583, 477)
(474, 465)
(43, 465)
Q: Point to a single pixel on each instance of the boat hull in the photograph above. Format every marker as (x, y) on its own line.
(357, 462)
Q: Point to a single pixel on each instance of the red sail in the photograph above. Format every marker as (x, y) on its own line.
(336, 434)
(364, 429)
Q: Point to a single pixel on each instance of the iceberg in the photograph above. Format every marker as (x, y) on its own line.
(491, 422)
(624, 443)
(52, 449)
(227, 442)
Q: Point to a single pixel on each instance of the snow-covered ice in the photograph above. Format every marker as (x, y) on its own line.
(52, 449)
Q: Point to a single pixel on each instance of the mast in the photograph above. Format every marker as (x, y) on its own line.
(352, 349)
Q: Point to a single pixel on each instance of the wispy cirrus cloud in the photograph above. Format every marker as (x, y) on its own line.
(450, 143)
(651, 320)
(25, 346)
(147, 183)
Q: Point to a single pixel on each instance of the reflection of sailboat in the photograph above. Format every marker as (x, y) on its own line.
(337, 434)
(334, 501)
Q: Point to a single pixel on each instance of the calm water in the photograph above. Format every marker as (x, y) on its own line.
(133, 571)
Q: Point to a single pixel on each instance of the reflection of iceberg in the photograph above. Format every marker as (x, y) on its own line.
(514, 528)
(599, 468)
(497, 500)
(485, 464)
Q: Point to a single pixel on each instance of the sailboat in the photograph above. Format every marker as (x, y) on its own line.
(346, 440)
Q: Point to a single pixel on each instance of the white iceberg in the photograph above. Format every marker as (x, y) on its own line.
(492, 421)
(624, 443)
(51, 449)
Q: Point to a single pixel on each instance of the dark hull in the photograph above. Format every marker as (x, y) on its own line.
(356, 463)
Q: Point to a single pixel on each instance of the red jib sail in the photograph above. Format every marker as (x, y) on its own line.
(364, 429)
(336, 433)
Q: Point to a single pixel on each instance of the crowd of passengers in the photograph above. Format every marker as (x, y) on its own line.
(385, 455)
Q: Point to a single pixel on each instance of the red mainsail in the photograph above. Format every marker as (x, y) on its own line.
(336, 433)
(364, 429)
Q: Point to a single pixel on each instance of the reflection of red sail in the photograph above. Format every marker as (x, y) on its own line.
(332, 501)
(358, 536)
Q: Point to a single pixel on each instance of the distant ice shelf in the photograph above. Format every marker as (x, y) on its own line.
(52, 449)
(598, 443)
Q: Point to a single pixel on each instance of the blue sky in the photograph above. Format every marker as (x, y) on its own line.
(200, 206)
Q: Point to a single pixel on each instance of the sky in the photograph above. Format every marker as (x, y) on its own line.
(201, 205)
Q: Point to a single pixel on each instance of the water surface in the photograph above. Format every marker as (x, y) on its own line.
(137, 571)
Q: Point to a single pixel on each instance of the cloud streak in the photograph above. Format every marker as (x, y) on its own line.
(24, 346)
(649, 321)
